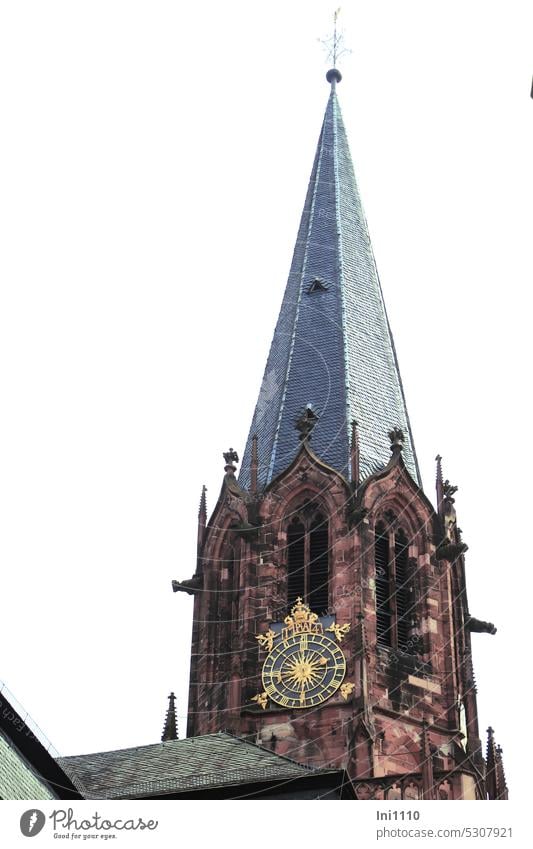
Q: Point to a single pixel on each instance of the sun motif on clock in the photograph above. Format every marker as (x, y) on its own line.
(304, 667)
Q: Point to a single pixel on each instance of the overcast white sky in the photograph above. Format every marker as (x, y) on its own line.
(154, 158)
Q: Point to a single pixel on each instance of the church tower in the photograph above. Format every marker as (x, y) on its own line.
(331, 621)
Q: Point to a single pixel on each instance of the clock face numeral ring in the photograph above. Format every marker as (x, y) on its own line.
(303, 671)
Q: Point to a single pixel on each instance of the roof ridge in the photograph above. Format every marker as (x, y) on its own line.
(157, 744)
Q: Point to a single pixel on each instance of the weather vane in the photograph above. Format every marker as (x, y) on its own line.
(334, 45)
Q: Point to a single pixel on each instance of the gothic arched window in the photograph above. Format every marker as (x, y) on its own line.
(393, 588)
(308, 561)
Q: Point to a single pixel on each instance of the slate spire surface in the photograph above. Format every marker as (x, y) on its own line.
(332, 348)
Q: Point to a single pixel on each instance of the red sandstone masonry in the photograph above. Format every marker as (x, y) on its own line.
(377, 733)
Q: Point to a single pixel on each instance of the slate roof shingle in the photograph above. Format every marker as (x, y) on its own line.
(208, 761)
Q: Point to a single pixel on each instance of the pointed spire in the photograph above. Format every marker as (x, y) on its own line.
(495, 777)
(426, 755)
(170, 729)
(202, 509)
(491, 764)
(202, 519)
(332, 347)
(500, 775)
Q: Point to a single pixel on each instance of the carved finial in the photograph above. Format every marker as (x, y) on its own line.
(230, 458)
(397, 440)
(449, 491)
(170, 730)
(306, 422)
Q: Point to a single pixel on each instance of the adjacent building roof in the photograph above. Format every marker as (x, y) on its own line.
(332, 346)
(28, 767)
(175, 767)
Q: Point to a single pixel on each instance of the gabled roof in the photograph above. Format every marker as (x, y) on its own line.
(332, 346)
(178, 766)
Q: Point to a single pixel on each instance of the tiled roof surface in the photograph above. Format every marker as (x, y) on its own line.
(332, 346)
(177, 766)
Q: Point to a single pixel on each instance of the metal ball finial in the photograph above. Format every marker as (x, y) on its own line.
(334, 75)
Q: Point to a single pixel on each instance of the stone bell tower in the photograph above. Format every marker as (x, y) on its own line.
(331, 621)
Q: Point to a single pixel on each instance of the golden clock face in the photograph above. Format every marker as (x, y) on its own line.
(303, 670)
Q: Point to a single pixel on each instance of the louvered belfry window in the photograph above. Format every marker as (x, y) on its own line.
(296, 561)
(308, 562)
(393, 587)
(383, 587)
(403, 594)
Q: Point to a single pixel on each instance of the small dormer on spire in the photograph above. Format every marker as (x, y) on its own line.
(170, 729)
